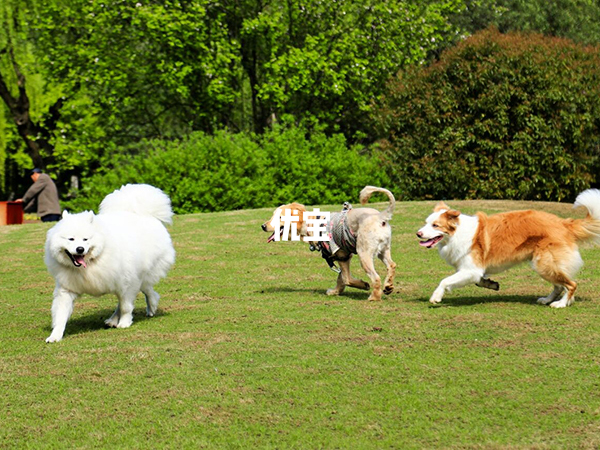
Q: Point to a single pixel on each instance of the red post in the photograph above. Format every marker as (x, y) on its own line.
(11, 213)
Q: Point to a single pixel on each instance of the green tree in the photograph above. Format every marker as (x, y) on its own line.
(327, 61)
(164, 68)
(20, 85)
(574, 19)
(113, 73)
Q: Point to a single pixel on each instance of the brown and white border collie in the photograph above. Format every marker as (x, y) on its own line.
(481, 245)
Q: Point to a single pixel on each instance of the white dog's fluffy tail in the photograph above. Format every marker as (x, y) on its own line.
(366, 193)
(590, 199)
(141, 199)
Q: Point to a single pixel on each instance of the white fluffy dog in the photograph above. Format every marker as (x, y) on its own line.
(122, 250)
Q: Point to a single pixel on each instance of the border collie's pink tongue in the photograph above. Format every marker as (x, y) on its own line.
(430, 242)
(80, 260)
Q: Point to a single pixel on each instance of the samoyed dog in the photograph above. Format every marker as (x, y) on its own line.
(122, 250)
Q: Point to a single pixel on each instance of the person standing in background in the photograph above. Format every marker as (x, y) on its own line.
(42, 196)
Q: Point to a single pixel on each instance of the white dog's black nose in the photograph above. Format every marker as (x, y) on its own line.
(419, 234)
(80, 250)
(264, 227)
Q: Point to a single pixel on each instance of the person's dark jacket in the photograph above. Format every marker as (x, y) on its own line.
(43, 193)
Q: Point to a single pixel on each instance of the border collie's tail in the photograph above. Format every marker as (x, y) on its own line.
(365, 194)
(590, 226)
(141, 199)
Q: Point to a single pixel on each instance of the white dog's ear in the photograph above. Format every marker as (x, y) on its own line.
(65, 213)
(91, 216)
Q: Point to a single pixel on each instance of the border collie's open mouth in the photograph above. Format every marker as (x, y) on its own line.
(272, 237)
(78, 260)
(429, 243)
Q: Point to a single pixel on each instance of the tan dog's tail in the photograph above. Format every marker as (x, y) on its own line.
(588, 228)
(365, 194)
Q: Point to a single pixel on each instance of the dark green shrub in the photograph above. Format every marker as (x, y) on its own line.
(228, 171)
(499, 116)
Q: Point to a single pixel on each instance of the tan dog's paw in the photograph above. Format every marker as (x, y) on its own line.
(387, 290)
(332, 291)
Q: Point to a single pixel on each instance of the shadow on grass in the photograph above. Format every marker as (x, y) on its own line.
(351, 293)
(476, 300)
(481, 300)
(94, 321)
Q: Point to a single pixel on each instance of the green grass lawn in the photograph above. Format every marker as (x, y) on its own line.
(247, 351)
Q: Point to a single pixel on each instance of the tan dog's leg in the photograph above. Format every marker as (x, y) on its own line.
(367, 263)
(345, 279)
(388, 284)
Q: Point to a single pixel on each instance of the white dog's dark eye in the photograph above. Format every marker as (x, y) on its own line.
(71, 239)
(84, 239)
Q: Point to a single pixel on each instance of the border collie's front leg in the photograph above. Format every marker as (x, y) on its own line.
(459, 279)
(488, 284)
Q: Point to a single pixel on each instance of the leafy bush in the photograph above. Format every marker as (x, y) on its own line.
(498, 116)
(233, 171)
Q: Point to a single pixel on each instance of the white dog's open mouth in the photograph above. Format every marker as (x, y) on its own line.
(78, 260)
(272, 237)
(429, 243)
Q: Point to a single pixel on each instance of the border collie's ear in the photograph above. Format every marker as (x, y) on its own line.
(440, 206)
(452, 214)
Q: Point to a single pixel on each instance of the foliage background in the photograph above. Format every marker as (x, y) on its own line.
(86, 83)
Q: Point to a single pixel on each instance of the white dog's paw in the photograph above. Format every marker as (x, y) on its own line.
(112, 322)
(125, 322)
(53, 338)
(436, 297)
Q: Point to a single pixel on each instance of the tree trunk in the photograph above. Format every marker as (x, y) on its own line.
(32, 134)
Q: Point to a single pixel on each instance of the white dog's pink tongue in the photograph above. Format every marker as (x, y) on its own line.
(79, 259)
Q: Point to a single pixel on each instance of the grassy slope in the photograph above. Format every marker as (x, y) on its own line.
(248, 351)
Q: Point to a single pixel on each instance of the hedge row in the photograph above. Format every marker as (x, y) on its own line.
(512, 116)
(228, 171)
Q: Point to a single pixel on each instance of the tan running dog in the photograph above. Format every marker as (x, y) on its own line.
(363, 231)
(483, 245)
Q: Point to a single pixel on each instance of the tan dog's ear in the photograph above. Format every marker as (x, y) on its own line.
(441, 206)
(300, 213)
(297, 207)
